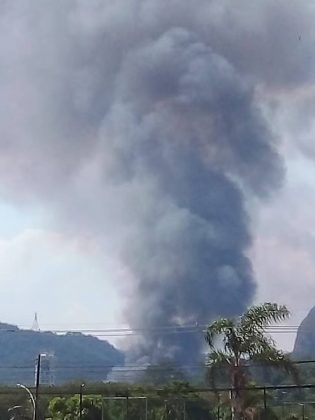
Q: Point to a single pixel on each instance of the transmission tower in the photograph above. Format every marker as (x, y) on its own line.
(35, 325)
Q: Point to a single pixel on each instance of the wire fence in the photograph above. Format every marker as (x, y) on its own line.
(204, 403)
(277, 398)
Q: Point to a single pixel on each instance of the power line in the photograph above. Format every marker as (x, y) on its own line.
(167, 330)
(127, 392)
(132, 367)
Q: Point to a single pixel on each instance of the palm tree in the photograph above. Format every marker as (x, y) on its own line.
(244, 340)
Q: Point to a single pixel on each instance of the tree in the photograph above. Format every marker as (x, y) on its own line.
(68, 408)
(244, 341)
(182, 401)
(161, 374)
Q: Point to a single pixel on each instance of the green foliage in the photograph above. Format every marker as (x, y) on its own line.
(167, 403)
(245, 338)
(83, 353)
(245, 341)
(61, 408)
(162, 374)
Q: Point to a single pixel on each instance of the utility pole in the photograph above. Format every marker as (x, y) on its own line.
(37, 388)
(81, 401)
(127, 407)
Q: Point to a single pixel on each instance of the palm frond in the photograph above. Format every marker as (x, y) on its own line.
(256, 343)
(259, 316)
(276, 358)
(233, 340)
(218, 358)
(245, 340)
(216, 361)
(218, 328)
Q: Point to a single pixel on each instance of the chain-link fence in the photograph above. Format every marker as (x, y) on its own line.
(258, 403)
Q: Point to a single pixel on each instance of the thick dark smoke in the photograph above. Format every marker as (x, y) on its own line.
(198, 136)
(138, 124)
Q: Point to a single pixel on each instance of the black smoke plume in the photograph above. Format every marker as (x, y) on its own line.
(138, 124)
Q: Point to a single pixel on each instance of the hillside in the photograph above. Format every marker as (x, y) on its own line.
(77, 356)
(304, 347)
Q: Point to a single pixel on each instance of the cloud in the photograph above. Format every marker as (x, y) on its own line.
(284, 247)
(46, 272)
(141, 128)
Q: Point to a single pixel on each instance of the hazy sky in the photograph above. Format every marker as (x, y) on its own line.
(56, 86)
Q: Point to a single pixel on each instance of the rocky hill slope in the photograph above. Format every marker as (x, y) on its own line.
(304, 347)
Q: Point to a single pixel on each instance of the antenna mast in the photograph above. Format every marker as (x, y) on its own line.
(35, 325)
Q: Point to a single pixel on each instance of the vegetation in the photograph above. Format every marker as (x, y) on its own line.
(243, 341)
(167, 403)
(236, 348)
(76, 355)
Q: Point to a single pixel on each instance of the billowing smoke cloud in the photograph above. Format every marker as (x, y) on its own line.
(138, 124)
(194, 128)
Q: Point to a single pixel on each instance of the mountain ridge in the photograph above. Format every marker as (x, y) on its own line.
(304, 346)
(76, 355)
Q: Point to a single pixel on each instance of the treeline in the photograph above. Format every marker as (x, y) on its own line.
(174, 401)
(243, 365)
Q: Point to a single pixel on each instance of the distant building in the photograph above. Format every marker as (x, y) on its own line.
(47, 369)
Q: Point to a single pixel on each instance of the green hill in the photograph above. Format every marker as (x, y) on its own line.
(76, 356)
